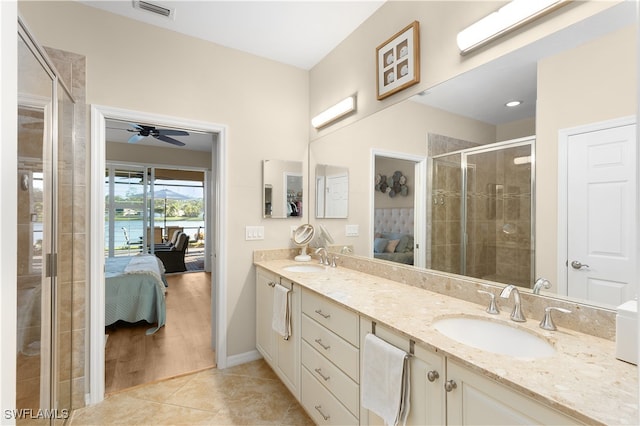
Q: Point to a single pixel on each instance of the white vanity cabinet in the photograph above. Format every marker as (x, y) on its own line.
(427, 373)
(479, 400)
(445, 392)
(330, 361)
(282, 355)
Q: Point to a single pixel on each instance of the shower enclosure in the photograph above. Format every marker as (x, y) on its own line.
(45, 239)
(481, 208)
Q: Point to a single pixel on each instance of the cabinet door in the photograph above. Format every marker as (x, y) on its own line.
(264, 311)
(288, 351)
(477, 400)
(427, 400)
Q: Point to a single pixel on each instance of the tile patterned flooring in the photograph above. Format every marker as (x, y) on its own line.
(248, 394)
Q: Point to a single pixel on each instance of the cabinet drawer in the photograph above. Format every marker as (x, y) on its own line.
(332, 347)
(336, 318)
(330, 376)
(323, 407)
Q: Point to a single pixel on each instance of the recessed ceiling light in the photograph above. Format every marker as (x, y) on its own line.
(512, 103)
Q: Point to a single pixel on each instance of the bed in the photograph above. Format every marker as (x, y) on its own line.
(393, 239)
(135, 290)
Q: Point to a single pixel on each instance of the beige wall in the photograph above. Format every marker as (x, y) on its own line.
(401, 129)
(387, 167)
(592, 83)
(350, 68)
(136, 66)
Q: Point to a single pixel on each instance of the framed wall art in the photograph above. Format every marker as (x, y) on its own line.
(398, 61)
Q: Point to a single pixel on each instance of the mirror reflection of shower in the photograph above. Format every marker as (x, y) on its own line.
(481, 212)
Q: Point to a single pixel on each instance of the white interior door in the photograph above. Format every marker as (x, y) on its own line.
(337, 196)
(601, 223)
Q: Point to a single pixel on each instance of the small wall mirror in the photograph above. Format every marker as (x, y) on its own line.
(332, 192)
(282, 193)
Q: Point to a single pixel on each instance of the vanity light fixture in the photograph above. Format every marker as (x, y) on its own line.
(509, 17)
(331, 114)
(512, 104)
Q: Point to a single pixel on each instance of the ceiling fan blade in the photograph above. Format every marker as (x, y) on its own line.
(172, 132)
(167, 139)
(135, 138)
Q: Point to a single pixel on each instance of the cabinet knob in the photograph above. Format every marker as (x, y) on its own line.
(433, 375)
(450, 385)
(271, 284)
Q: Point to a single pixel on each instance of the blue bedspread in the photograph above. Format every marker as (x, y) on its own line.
(133, 294)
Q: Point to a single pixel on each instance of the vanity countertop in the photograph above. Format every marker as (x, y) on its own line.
(583, 379)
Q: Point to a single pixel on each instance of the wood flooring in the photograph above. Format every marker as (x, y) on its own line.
(182, 346)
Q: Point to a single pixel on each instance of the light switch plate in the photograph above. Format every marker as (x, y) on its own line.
(351, 230)
(253, 233)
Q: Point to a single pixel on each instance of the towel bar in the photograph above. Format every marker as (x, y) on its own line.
(412, 343)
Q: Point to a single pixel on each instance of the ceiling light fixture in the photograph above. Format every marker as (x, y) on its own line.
(507, 18)
(335, 112)
(512, 104)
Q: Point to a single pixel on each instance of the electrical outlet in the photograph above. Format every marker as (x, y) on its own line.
(253, 233)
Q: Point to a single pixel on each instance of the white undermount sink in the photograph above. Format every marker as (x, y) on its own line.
(495, 337)
(304, 268)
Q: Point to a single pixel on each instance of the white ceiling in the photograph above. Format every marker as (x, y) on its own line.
(298, 33)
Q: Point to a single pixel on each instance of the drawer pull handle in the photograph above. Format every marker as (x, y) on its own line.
(324, 416)
(319, 371)
(433, 375)
(322, 314)
(325, 347)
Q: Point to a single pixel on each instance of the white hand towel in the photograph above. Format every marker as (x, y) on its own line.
(385, 380)
(281, 320)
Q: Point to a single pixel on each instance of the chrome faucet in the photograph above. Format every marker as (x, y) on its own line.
(516, 314)
(324, 257)
(539, 284)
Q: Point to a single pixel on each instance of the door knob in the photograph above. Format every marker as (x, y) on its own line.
(577, 265)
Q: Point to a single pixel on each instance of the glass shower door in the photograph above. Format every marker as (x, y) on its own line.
(498, 214)
(45, 240)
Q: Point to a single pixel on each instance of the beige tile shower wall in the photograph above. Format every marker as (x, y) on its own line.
(72, 68)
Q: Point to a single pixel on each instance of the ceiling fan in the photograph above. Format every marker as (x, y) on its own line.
(141, 131)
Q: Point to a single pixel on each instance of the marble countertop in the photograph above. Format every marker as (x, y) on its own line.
(583, 379)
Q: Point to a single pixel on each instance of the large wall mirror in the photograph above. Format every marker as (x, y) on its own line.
(581, 76)
(282, 188)
(332, 191)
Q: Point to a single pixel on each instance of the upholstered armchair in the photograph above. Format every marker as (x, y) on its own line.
(173, 258)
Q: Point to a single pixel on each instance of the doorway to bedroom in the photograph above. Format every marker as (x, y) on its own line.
(398, 213)
(159, 174)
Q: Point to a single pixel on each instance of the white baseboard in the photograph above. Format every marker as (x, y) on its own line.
(243, 358)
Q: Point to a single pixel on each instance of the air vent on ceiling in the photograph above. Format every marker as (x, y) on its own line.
(154, 8)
